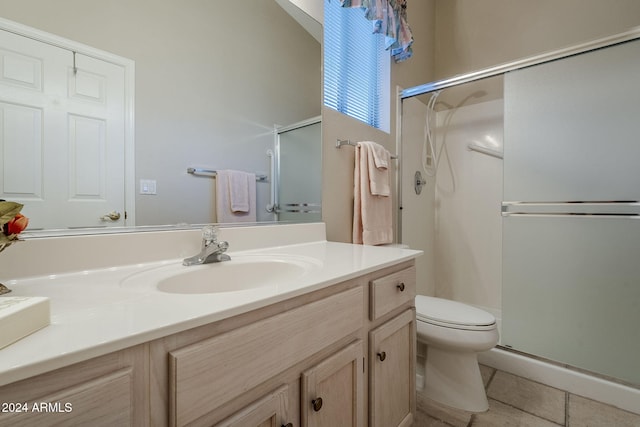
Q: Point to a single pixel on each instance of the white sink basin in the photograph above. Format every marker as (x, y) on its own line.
(241, 273)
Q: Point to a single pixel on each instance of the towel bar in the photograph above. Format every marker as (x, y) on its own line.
(341, 142)
(211, 172)
(484, 150)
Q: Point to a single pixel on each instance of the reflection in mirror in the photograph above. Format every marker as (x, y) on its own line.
(212, 81)
(299, 176)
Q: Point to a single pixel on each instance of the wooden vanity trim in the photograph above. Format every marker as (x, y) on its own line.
(255, 353)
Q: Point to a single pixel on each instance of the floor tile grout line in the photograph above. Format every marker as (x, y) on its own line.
(526, 412)
(491, 377)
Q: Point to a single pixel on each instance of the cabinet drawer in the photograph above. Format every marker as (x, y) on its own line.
(206, 375)
(391, 291)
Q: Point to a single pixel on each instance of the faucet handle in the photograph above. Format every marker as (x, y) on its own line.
(210, 233)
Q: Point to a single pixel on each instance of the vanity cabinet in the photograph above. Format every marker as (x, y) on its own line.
(110, 390)
(342, 355)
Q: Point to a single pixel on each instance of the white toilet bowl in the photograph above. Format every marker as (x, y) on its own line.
(453, 334)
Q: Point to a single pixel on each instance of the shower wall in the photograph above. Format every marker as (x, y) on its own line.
(456, 219)
(418, 211)
(468, 197)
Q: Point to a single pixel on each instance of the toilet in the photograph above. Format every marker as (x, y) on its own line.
(454, 333)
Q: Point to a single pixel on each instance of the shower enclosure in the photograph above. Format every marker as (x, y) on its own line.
(548, 237)
(297, 175)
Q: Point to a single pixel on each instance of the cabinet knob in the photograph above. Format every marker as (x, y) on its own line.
(401, 287)
(317, 404)
(382, 356)
(287, 425)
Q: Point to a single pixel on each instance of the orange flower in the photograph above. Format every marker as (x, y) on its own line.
(17, 224)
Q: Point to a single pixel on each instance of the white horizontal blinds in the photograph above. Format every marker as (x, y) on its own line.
(354, 61)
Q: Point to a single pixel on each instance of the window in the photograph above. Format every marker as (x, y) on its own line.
(356, 66)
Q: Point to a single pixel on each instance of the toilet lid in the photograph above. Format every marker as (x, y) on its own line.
(455, 313)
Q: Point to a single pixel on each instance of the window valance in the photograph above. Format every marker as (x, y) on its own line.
(389, 17)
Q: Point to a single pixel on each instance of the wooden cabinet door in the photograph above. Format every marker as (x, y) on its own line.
(104, 401)
(333, 391)
(270, 411)
(392, 377)
(110, 390)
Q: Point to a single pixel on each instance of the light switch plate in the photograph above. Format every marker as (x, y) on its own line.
(148, 186)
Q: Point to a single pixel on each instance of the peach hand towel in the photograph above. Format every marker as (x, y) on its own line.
(372, 214)
(235, 191)
(239, 190)
(378, 159)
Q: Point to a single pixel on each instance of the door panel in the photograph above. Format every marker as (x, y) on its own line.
(565, 143)
(570, 291)
(21, 142)
(61, 134)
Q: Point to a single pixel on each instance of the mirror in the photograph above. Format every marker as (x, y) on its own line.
(213, 82)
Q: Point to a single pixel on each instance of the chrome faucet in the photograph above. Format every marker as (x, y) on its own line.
(212, 250)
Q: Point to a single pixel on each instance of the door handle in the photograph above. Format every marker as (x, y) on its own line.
(111, 216)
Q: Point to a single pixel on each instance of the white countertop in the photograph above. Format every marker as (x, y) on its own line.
(95, 312)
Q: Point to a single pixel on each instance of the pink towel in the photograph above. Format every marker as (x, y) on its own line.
(239, 190)
(235, 196)
(378, 159)
(372, 214)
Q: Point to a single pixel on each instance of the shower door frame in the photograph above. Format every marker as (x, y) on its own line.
(274, 206)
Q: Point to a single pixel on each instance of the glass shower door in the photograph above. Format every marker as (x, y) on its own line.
(300, 173)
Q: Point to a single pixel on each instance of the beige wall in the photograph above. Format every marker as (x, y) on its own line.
(337, 187)
(212, 79)
(473, 34)
(313, 8)
(338, 166)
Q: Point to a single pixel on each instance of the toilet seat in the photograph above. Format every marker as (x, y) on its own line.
(452, 314)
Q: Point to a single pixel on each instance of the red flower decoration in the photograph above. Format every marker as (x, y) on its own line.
(17, 224)
(12, 222)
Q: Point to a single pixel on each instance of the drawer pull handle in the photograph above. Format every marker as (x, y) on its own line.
(382, 356)
(287, 425)
(317, 404)
(401, 286)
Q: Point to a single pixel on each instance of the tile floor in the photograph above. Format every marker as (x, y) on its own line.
(516, 401)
